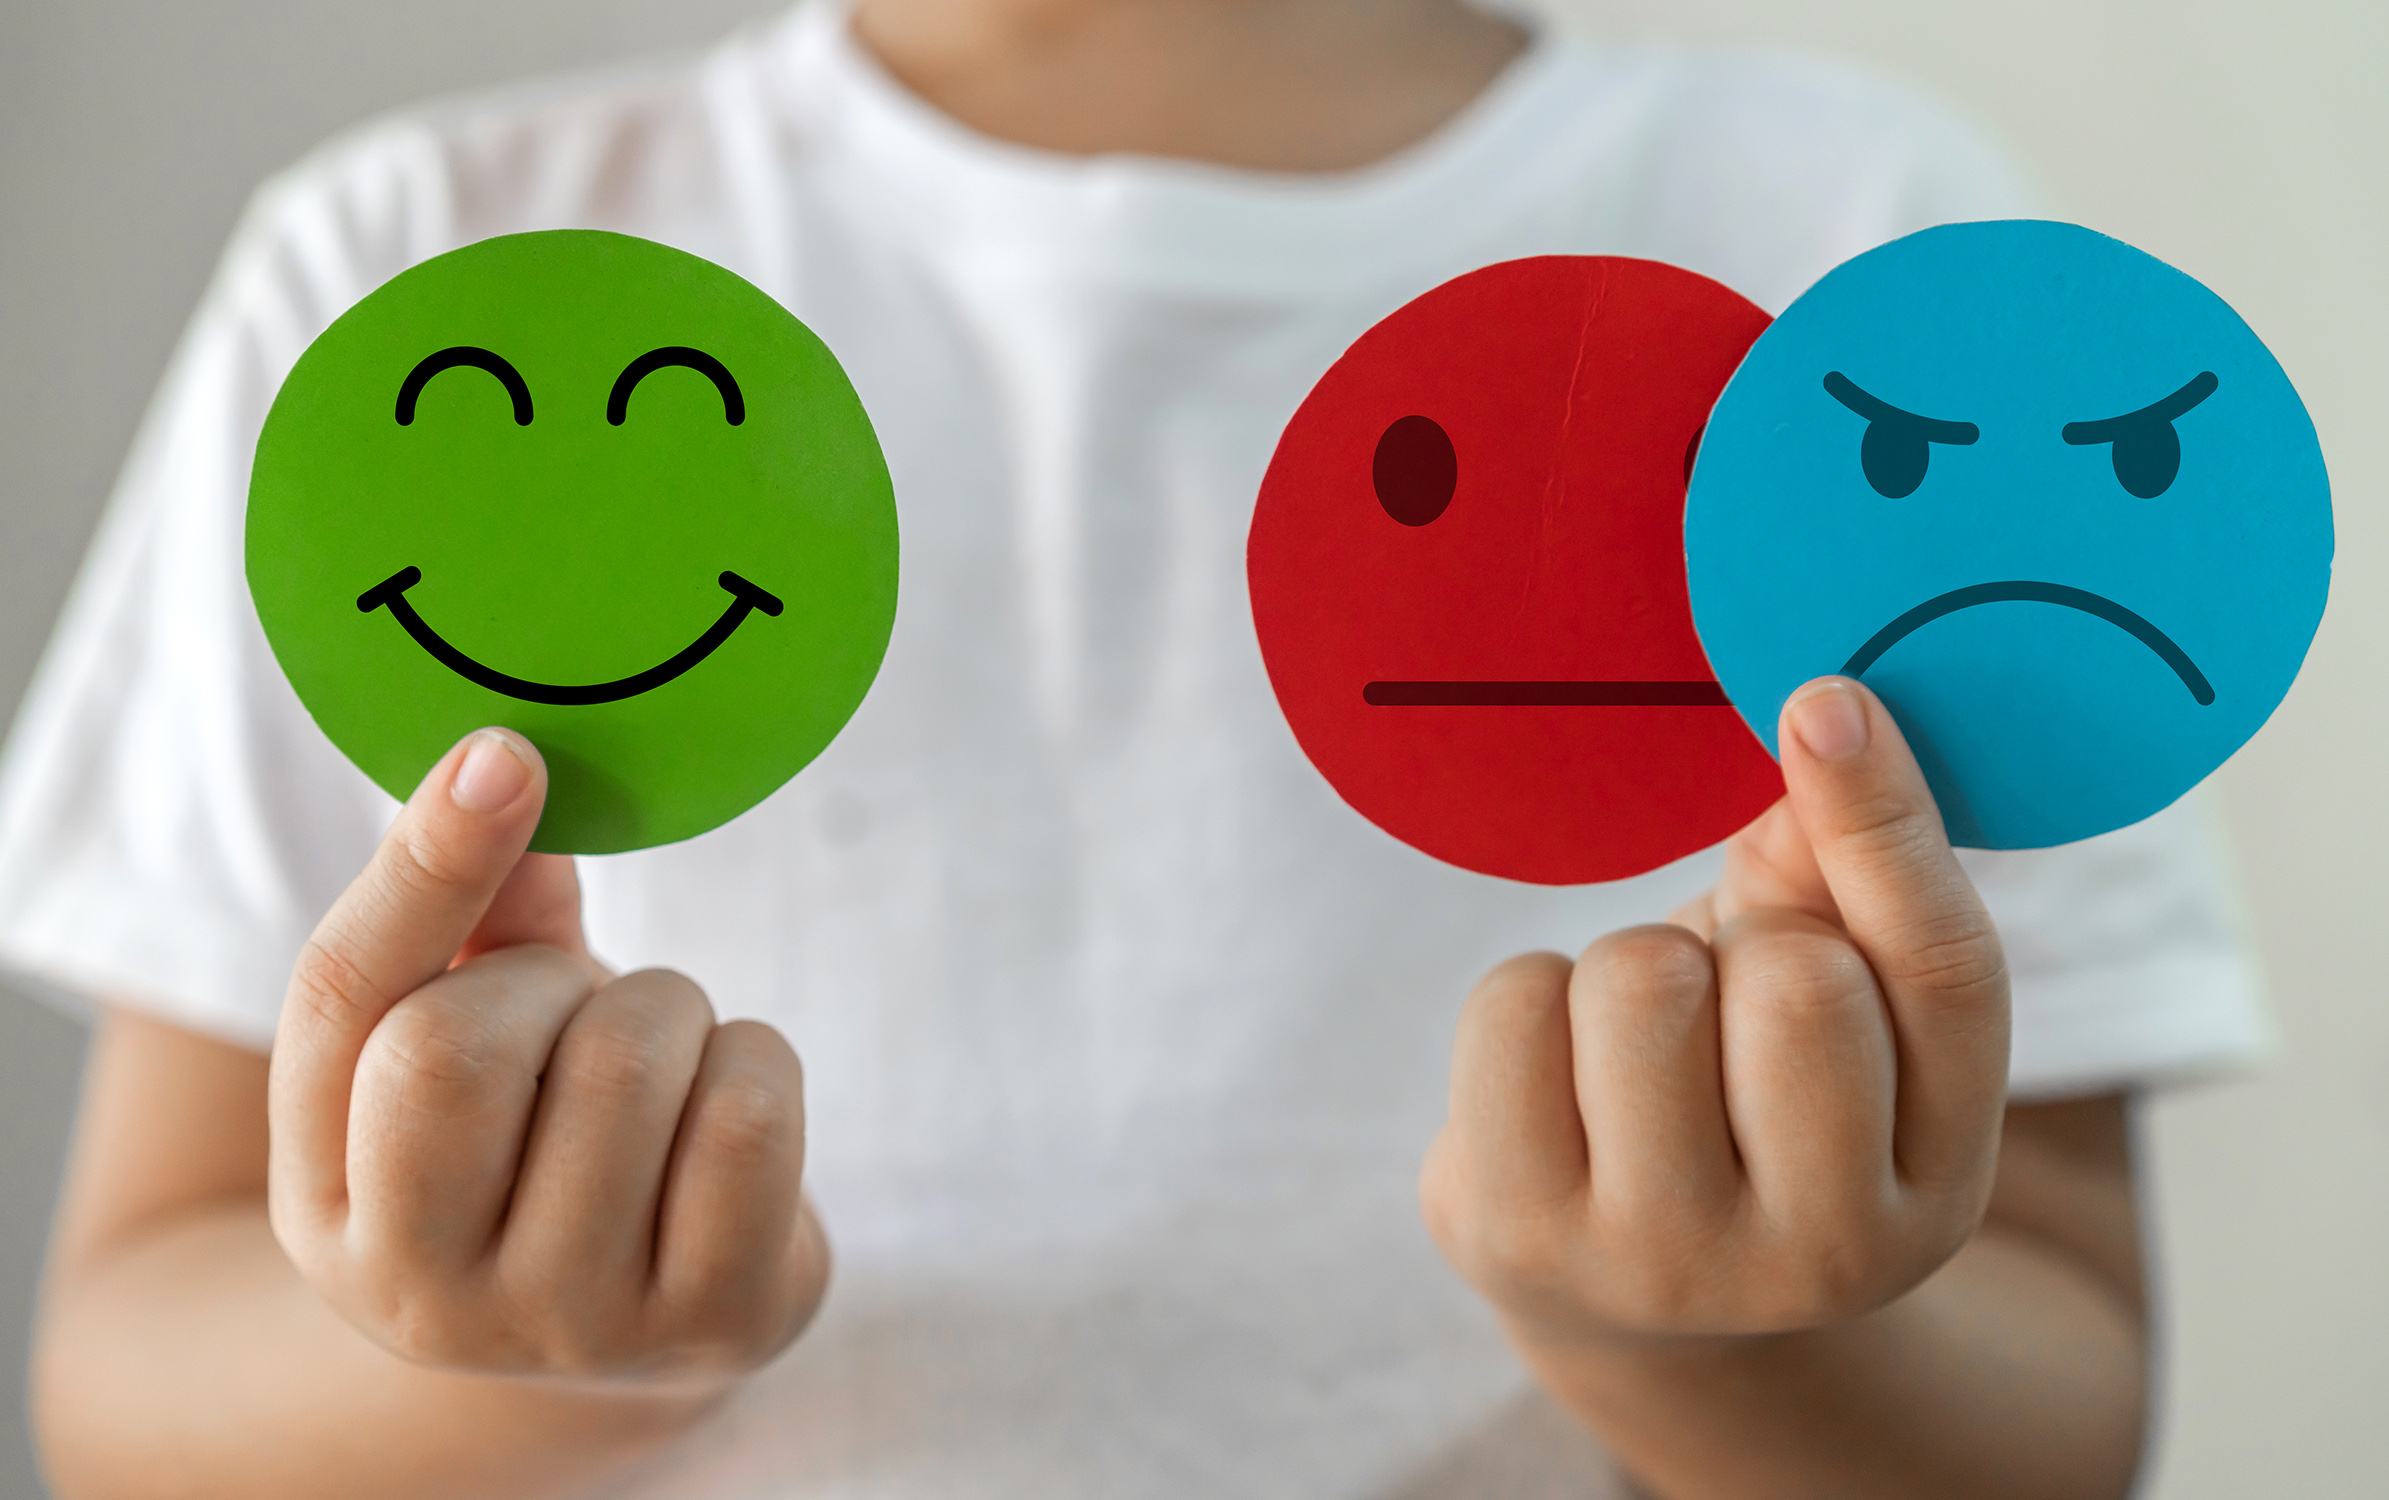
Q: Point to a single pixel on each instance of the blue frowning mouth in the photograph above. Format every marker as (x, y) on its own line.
(2031, 592)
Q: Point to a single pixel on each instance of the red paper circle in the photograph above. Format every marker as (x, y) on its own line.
(1467, 571)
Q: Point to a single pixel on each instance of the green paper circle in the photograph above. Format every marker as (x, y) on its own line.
(575, 555)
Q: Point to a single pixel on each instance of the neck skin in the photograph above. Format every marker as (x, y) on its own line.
(1267, 85)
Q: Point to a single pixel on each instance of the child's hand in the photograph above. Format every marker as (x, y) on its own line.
(492, 1155)
(1782, 1113)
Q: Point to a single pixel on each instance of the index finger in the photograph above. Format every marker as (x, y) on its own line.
(1909, 907)
(396, 928)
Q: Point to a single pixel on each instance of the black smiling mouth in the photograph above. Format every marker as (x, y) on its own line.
(2028, 591)
(391, 592)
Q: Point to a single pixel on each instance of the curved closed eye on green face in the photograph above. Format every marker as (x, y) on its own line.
(592, 488)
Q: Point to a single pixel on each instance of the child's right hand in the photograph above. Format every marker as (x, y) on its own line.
(1781, 1112)
(492, 1155)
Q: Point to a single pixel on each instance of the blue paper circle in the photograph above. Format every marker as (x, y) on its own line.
(2048, 496)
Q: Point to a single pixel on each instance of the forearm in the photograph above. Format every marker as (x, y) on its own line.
(2012, 1373)
(191, 1360)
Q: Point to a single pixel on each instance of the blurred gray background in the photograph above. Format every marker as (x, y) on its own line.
(2248, 144)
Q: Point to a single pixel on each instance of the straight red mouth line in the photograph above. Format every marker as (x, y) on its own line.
(1545, 695)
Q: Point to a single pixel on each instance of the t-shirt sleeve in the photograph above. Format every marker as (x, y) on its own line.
(2129, 957)
(172, 823)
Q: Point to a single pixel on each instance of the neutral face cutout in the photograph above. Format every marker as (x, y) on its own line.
(1415, 471)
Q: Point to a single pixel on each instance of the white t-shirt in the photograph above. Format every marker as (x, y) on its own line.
(1123, 1034)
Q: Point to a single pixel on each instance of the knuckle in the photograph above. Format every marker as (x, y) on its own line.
(745, 1126)
(732, 1335)
(1511, 1247)
(564, 1325)
(1655, 1293)
(440, 1336)
(736, 1306)
(1585, 1260)
(613, 1057)
(422, 870)
(1841, 1282)
(1653, 966)
(591, 1345)
(1527, 974)
(627, 1039)
(1837, 1262)
(1957, 954)
(1523, 1247)
(1844, 1279)
(388, 1296)
(1516, 995)
(430, 1055)
(717, 1299)
(768, 1057)
(732, 1305)
(1886, 826)
(329, 984)
(533, 962)
(757, 1038)
(413, 1337)
(1653, 1208)
(1799, 973)
(670, 993)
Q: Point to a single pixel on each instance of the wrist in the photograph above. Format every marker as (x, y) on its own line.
(605, 1422)
(686, 1397)
(1576, 1336)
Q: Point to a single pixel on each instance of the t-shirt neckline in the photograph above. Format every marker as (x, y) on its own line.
(1141, 217)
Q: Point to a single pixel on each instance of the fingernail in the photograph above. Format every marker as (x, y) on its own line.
(1830, 721)
(494, 773)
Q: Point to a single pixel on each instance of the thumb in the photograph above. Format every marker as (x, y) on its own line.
(1910, 909)
(444, 858)
(395, 928)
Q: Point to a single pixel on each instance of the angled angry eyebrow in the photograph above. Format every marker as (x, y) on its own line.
(1875, 409)
(2106, 429)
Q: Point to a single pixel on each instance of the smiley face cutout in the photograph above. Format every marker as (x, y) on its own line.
(2045, 494)
(598, 490)
(1466, 568)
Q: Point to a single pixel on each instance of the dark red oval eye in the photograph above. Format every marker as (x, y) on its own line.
(1415, 470)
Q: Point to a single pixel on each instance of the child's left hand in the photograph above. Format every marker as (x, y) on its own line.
(1781, 1113)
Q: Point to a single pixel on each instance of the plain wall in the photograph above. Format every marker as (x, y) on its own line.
(2243, 143)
